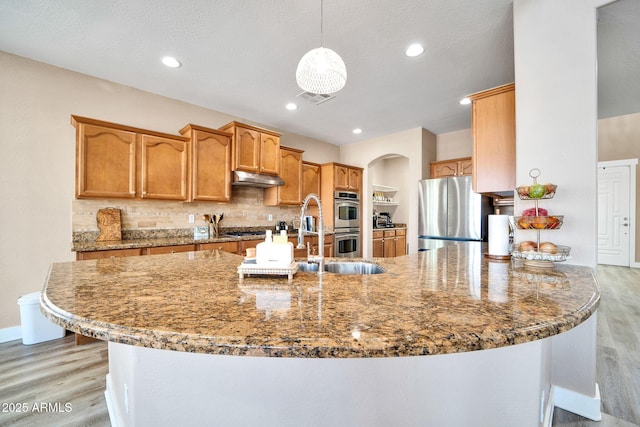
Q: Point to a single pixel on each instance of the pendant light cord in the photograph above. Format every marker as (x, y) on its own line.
(321, 18)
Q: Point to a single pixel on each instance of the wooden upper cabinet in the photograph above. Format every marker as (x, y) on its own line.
(453, 167)
(310, 178)
(270, 159)
(254, 149)
(114, 160)
(341, 177)
(163, 168)
(347, 177)
(105, 160)
(247, 150)
(210, 163)
(291, 173)
(355, 179)
(493, 120)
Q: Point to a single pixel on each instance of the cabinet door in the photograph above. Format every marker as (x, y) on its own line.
(328, 249)
(246, 149)
(355, 179)
(389, 244)
(163, 170)
(494, 148)
(310, 179)
(222, 246)
(465, 167)
(341, 177)
(291, 171)
(378, 246)
(169, 249)
(105, 162)
(114, 253)
(443, 169)
(401, 242)
(244, 244)
(269, 154)
(211, 171)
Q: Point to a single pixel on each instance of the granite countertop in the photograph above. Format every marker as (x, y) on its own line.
(442, 301)
(141, 240)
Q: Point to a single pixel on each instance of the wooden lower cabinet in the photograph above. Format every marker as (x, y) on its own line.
(389, 243)
(169, 249)
(231, 247)
(115, 253)
(244, 244)
(378, 244)
(401, 241)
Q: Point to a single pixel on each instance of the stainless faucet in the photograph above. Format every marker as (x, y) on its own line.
(320, 257)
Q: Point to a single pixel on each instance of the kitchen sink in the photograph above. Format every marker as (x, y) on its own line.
(356, 267)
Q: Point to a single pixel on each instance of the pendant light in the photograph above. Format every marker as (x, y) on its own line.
(321, 70)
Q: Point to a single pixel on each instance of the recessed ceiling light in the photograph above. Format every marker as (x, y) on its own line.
(291, 106)
(465, 101)
(414, 50)
(171, 62)
(357, 131)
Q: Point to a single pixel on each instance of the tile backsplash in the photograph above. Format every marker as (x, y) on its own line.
(245, 210)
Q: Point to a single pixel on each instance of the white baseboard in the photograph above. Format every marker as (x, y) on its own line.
(580, 404)
(10, 334)
(112, 405)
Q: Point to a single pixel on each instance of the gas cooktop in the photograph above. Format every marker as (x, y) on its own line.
(246, 233)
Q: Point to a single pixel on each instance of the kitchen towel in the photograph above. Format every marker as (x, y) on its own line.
(499, 235)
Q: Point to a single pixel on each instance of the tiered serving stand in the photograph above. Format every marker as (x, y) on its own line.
(537, 258)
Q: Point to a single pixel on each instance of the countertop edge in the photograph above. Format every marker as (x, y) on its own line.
(207, 344)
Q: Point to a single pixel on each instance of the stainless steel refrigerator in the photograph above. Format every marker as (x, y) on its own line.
(450, 212)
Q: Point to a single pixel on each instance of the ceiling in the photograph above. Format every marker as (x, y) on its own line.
(239, 57)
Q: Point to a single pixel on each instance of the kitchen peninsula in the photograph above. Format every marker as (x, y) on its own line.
(444, 337)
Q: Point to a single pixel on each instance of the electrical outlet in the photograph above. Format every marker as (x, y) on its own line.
(192, 218)
(270, 217)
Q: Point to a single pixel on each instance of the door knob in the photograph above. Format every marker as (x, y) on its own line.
(625, 224)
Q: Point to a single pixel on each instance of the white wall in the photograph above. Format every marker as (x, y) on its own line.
(556, 114)
(417, 145)
(556, 131)
(38, 160)
(454, 145)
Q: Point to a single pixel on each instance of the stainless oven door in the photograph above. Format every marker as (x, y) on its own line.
(347, 214)
(347, 245)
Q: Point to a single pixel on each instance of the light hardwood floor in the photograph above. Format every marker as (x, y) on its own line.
(618, 362)
(59, 372)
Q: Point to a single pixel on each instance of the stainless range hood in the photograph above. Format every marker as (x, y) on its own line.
(248, 179)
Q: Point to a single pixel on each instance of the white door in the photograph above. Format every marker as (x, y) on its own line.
(613, 215)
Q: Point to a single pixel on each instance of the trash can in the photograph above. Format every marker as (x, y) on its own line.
(35, 327)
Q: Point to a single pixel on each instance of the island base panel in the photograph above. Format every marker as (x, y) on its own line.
(498, 387)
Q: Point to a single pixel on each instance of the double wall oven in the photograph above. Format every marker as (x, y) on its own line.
(346, 224)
